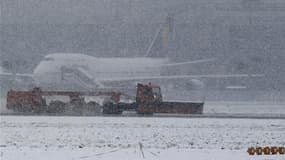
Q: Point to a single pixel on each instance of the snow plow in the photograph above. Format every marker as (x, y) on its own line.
(70, 102)
(148, 101)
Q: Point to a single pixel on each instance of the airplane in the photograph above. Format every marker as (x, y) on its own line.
(64, 70)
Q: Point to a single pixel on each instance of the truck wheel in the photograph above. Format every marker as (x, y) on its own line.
(56, 107)
(78, 108)
(39, 109)
(110, 108)
(17, 107)
(145, 114)
(93, 107)
(22, 108)
(27, 108)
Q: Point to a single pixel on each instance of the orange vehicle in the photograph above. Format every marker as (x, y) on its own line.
(35, 100)
(148, 101)
(26, 101)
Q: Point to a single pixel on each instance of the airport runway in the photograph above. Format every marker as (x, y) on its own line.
(206, 115)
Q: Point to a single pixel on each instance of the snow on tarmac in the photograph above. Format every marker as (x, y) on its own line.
(43, 137)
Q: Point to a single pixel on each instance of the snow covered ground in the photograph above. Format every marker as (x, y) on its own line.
(253, 108)
(42, 137)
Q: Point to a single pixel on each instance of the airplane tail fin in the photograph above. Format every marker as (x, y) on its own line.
(161, 40)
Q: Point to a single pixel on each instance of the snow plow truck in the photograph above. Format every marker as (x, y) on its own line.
(148, 101)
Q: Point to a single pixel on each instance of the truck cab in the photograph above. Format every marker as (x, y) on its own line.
(148, 93)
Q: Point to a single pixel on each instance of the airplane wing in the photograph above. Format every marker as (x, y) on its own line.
(17, 74)
(189, 62)
(184, 77)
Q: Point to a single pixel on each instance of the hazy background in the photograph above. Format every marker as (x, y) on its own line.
(246, 36)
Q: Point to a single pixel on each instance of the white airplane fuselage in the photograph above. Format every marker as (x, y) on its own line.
(53, 69)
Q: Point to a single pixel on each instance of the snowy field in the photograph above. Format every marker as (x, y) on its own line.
(76, 138)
